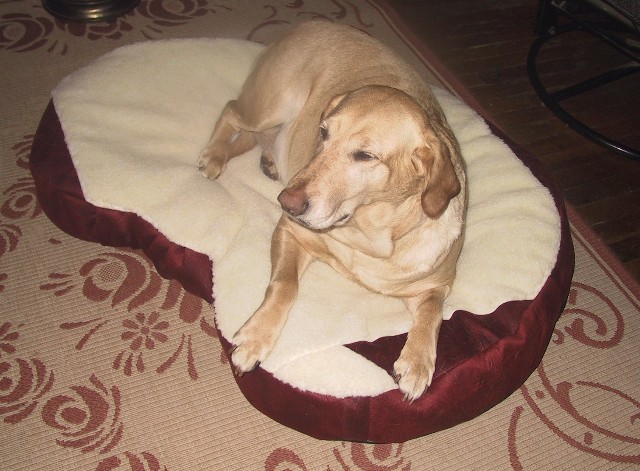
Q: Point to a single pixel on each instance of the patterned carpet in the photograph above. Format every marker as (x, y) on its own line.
(105, 365)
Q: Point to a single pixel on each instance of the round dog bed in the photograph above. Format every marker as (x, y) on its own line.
(115, 161)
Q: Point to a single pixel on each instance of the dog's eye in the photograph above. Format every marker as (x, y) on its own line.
(362, 156)
(324, 132)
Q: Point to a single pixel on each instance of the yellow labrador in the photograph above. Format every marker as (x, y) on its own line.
(375, 185)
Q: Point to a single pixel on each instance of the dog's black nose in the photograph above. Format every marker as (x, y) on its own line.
(294, 201)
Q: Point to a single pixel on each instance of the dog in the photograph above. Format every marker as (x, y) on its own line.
(375, 183)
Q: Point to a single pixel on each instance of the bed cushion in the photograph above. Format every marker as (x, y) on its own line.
(115, 161)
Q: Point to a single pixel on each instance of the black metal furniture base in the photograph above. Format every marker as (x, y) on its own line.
(89, 10)
(556, 17)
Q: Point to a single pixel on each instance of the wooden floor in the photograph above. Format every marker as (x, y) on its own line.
(485, 44)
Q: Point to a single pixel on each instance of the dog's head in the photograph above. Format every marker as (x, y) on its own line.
(374, 144)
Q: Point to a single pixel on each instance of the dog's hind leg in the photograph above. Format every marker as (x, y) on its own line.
(266, 140)
(229, 139)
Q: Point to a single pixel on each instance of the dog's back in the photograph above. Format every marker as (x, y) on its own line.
(297, 76)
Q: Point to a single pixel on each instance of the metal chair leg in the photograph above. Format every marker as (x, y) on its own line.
(547, 27)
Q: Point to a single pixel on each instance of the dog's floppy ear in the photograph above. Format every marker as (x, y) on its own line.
(333, 104)
(433, 162)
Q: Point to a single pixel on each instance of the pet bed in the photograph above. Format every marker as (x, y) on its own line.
(115, 161)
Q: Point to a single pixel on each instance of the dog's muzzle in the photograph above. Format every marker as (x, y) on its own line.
(293, 201)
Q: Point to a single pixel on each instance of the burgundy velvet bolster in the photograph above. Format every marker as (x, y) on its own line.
(62, 200)
(481, 359)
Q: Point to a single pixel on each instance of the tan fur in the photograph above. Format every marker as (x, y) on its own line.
(375, 183)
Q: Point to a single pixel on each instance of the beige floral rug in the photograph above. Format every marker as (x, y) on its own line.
(105, 365)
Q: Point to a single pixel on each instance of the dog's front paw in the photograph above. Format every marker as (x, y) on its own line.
(251, 346)
(413, 371)
(211, 163)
